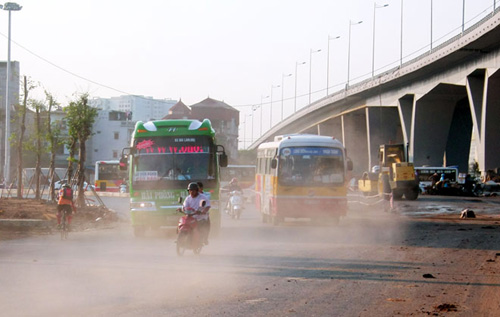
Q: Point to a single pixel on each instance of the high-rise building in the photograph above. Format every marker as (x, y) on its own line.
(137, 108)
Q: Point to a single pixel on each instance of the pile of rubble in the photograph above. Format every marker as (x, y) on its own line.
(24, 215)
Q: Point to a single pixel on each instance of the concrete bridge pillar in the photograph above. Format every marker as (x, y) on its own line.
(484, 98)
(434, 130)
(383, 127)
(331, 127)
(355, 140)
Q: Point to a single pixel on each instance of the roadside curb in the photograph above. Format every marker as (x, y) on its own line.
(108, 194)
(25, 223)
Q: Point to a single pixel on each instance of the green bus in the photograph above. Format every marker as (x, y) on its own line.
(164, 157)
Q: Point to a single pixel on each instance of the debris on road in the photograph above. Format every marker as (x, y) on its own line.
(428, 276)
(42, 215)
(446, 307)
(467, 213)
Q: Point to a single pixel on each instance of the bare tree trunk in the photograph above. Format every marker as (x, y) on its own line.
(81, 175)
(21, 139)
(38, 168)
(72, 150)
(52, 141)
(51, 174)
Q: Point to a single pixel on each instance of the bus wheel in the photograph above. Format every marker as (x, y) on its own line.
(139, 231)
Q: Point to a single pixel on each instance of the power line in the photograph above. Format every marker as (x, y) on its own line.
(76, 75)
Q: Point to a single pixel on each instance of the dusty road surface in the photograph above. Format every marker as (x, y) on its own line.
(374, 263)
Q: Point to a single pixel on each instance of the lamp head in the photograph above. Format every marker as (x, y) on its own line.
(12, 6)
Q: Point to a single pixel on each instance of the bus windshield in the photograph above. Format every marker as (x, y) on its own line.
(174, 158)
(109, 171)
(108, 176)
(299, 166)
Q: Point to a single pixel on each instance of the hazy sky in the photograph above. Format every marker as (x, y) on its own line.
(230, 50)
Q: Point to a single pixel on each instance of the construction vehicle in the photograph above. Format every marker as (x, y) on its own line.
(394, 175)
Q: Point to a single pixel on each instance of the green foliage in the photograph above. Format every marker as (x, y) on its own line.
(80, 118)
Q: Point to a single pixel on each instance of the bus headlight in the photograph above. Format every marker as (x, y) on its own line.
(143, 206)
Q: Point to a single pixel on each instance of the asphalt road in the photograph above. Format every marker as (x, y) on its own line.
(372, 264)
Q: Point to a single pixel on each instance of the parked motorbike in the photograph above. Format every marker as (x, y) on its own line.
(235, 205)
(188, 236)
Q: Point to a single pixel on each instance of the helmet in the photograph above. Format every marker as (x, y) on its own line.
(66, 186)
(193, 186)
(234, 181)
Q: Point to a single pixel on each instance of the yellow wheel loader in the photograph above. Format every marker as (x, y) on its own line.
(394, 175)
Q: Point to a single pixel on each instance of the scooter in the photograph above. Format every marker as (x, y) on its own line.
(188, 236)
(235, 204)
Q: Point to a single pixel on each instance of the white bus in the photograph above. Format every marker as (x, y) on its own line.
(424, 174)
(302, 176)
(108, 176)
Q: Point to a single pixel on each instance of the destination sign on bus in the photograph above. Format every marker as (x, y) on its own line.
(311, 151)
(172, 146)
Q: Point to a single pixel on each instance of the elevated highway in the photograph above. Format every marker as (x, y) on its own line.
(439, 104)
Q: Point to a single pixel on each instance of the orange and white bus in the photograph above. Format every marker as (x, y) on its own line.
(302, 176)
(108, 176)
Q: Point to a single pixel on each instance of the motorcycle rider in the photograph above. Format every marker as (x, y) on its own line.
(206, 224)
(65, 204)
(193, 203)
(233, 186)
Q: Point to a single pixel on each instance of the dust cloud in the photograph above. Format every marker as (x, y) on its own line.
(107, 272)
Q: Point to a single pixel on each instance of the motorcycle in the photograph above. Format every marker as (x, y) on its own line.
(235, 205)
(188, 236)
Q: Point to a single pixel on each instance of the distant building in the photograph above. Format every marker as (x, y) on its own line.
(178, 111)
(224, 118)
(137, 108)
(112, 132)
(116, 121)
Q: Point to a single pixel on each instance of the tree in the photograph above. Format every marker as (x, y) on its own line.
(38, 107)
(80, 118)
(54, 137)
(27, 87)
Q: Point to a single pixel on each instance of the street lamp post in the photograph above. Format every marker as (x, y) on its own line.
(261, 99)
(375, 7)
(431, 25)
(295, 98)
(9, 6)
(283, 91)
(349, 51)
(271, 116)
(401, 41)
(328, 62)
(253, 115)
(463, 16)
(310, 70)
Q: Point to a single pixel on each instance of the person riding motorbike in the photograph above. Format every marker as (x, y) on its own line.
(192, 203)
(233, 186)
(65, 203)
(206, 223)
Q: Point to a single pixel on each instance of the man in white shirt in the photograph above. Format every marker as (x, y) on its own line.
(193, 203)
